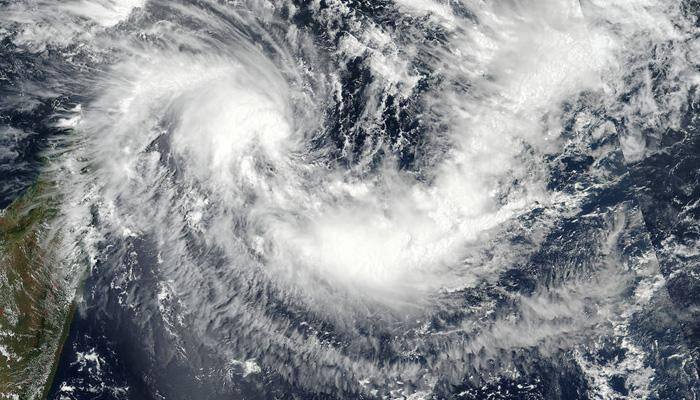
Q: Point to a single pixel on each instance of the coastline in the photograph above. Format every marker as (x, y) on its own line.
(36, 307)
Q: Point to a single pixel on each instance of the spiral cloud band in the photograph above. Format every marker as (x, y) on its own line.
(362, 199)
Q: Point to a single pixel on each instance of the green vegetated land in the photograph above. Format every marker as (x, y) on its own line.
(34, 307)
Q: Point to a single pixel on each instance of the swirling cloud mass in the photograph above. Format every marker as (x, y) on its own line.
(367, 199)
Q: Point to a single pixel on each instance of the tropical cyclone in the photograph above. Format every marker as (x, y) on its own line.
(359, 199)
